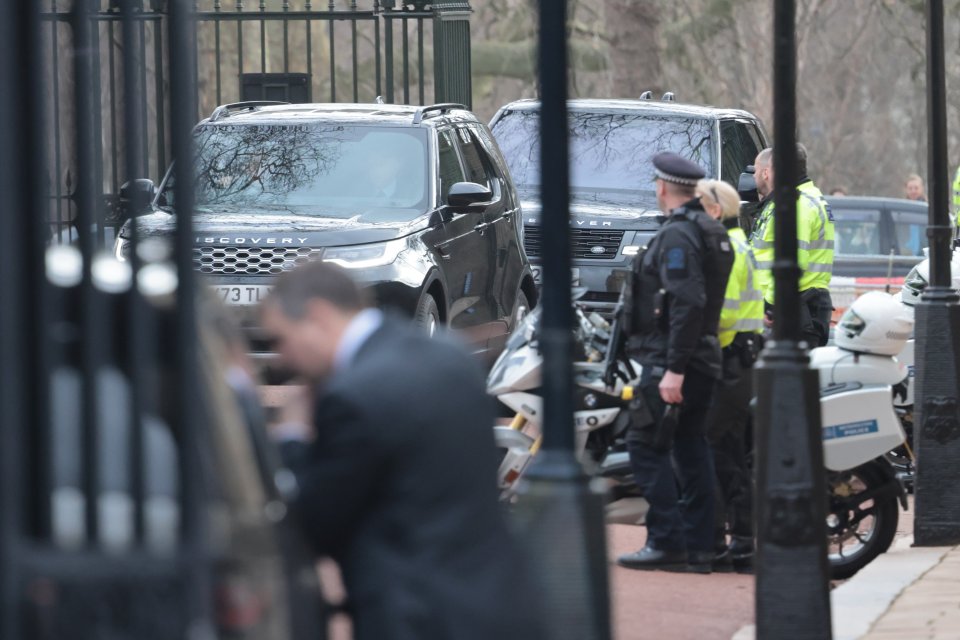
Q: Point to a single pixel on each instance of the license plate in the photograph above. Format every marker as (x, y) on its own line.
(574, 276)
(242, 294)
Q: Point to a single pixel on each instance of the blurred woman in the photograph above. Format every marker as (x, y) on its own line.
(728, 423)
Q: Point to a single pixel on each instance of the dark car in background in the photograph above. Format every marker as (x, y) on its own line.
(613, 210)
(415, 202)
(878, 241)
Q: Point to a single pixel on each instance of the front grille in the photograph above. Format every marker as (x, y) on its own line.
(251, 260)
(583, 243)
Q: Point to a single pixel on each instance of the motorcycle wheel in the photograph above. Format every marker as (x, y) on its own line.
(858, 531)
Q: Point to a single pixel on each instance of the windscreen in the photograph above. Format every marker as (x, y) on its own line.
(313, 169)
(610, 153)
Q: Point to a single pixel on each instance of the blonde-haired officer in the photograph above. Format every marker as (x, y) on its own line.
(728, 422)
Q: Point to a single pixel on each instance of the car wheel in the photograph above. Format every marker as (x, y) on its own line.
(427, 316)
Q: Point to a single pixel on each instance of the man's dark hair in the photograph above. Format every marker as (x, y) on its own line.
(767, 155)
(682, 190)
(316, 281)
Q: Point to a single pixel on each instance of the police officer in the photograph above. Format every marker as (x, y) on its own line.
(814, 247)
(728, 423)
(956, 202)
(677, 294)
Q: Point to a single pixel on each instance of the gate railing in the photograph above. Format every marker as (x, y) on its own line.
(102, 504)
(291, 50)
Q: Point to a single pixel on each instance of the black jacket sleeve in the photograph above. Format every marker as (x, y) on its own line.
(337, 473)
(681, 274)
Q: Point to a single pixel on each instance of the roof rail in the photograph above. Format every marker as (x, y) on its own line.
(251, 105)
(443, 107)
(668, 97)
(646, 95)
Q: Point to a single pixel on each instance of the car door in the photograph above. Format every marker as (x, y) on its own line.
(861, 244)
(738, 149)
(459, 249)
(908, 238)
(503, 216)
(481, 256)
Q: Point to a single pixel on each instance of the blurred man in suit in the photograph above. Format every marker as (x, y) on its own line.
(397, 480)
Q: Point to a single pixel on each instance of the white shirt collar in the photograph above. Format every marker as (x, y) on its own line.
(363, 325)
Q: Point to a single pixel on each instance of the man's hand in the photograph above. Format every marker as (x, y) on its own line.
(768, 319)
(671, 387)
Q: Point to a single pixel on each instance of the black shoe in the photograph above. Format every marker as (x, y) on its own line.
(721, 562)
(741, 554)
(650, 559)
(700, 561)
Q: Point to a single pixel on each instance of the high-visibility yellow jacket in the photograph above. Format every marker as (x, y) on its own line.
(743, 301)
(956, 198)
(814, 241)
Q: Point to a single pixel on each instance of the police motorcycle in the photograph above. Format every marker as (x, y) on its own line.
(914, 285)
(604, 381)
(858, 377)
(860, 425)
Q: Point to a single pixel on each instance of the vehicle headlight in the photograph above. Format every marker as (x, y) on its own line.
(631, 250)
(364, 256)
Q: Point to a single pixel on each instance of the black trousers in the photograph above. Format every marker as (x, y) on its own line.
(728, 432)
(677, 483)
(816, 310)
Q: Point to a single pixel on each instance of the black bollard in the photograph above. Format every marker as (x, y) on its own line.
(792, 583)
(559, 514)
(937, 434)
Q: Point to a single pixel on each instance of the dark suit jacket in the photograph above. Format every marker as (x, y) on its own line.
(399, 487)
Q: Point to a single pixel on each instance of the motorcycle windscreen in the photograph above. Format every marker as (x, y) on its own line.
(859, 425)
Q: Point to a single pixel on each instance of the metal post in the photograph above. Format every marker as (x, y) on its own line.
(561, 514)
(937, 422)
(13, 327)
(452, 75)
(792, 588)
(192, 443)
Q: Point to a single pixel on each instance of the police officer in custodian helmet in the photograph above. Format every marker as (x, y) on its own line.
(676, 297)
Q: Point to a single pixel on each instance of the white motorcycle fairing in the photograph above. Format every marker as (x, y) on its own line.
(530, 407)
(906, 358)
(840, 366)
(516, 446)
(859, 424)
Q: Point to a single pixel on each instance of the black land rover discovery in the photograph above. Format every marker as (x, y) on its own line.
(613, 204)
(415, 201)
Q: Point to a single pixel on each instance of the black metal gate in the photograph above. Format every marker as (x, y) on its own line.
(291, 50)
(116, 441)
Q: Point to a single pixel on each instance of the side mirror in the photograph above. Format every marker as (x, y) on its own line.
(136, 197)
(468, 197)
(747, 186)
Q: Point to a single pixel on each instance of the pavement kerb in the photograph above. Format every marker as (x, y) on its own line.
(859, 602)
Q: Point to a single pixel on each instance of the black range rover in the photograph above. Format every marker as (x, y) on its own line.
(613, 203)
(416, 202)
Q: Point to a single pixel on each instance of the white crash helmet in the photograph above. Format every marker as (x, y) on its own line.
(875, 323)
(919, 278)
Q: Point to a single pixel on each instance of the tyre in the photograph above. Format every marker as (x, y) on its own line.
(427, 315)
(859, 530)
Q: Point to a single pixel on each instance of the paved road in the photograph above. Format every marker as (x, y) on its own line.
(674, 606)
(671, 606)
